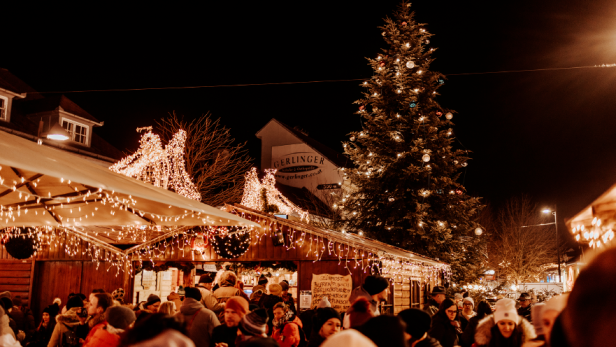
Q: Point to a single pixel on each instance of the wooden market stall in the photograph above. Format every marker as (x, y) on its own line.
(314, 251)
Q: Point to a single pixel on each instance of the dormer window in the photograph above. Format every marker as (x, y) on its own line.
(79, 132)
(4, 108)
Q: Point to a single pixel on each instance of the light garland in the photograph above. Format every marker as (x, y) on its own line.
(161, 167)
(253, 189)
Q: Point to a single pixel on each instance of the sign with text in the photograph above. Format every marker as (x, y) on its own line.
(329, 186)
(337, 289)
(296, 163)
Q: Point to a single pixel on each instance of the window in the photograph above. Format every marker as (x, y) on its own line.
(79, 133)
(4, 104)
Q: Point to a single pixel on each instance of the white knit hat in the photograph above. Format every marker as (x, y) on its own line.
(505, 309)
(468, 298)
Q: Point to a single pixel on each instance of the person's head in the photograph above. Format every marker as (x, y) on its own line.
(483, 309)
(506, 317)
(120, 317)
(99, 303)
(74, 302)
(253, 324)
(448, 309)
(262, 280)
(7, 304)
(153, 303)
(167, 307)
(417, 322)
(46, 314)
(150, 326)
(377, 287)
(385, 331)
(17, 301)
(468, 304)
(228, 279)
(550, 312)
(280, 310)
(95, 291)
(457, 297)
(360, 312)
(524, 299)
(438, 294)
(206, 280)
(275, 289)
(193, 293)
(326, 322)
(235, 308)
(285, 287)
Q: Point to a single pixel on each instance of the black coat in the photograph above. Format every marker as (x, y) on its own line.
(525, 312)
(223, 333)
(468, 338)
(443, 331)
(428, 342)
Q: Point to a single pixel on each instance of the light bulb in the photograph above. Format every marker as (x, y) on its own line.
(426, 157)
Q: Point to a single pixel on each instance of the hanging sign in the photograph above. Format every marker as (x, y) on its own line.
(337, 289)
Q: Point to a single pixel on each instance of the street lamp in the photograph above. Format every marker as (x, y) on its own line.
(547, 211)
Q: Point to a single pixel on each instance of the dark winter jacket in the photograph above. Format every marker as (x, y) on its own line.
(428, 342)
(443, 331)
(525, 312)
(468, 337)
(485, 331)
(431, 308)
(223, 333)
(267, 302)
(315, 340)
(361, 292)
(42, 335)
(288, 300)
(64, 322)
(19, 318)
(200, 320)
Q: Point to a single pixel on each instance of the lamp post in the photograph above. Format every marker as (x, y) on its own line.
(547, 210)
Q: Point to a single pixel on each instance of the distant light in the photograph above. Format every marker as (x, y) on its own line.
(58, 137)
(547, 210)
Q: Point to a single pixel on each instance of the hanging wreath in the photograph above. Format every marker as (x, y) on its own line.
(22, 246)
(232, 246)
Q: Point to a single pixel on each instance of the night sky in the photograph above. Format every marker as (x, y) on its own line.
(548, 134)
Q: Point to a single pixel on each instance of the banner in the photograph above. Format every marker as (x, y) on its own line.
(337, 288)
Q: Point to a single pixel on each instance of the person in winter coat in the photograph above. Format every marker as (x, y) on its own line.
(168, 308)
(152, 304)
(550, 312)
(200, 321)
(175, 297)
(358, 313)
(307, 315)
(157, 330)
(287, 326)
(445, 324)
(7, 336)
(504, 328)
(28, 326)
(467, 312)
(385, 331)
(208, 300)
(525, 308)
(251, 330)
(66, 321)
(235, 309)
(227, 287)
(268, 301)
(349, 337)
(42, 334)
(118, 319)
(99, 303)
(436, 298)
(287, 297)
(326, 322)
(374, 289)
(468, 337)
(418, 323)
(7, 304)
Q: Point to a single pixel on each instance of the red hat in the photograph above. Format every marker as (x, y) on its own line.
(237, 304)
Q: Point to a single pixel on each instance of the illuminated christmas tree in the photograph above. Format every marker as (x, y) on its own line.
(406, 176)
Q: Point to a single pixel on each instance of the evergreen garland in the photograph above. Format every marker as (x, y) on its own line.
(232, 246)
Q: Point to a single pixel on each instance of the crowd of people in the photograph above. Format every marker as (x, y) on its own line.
(222, 315)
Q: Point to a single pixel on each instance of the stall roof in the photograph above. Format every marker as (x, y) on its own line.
(603, 207)
(44, 186)
(346, 238)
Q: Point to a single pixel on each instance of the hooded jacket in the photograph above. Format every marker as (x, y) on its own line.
(483, 335)
(361, 292)
(200, 321)
(101, 337)
(64, 321)
(209, 301)
(443, 331)
(227, 287)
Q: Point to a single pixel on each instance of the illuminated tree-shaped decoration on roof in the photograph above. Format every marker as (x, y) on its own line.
(162, 167)
(263, 195)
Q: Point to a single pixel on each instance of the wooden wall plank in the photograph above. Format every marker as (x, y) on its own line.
(6, 266)
(22, 274)
(9, 280)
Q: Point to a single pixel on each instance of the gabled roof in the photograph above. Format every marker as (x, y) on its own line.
(336, 158)
(11, 83)
(52, 102)
(304, 198)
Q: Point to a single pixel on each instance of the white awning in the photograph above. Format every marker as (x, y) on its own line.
(44, 186)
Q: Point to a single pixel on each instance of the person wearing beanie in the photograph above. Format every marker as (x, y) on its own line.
(483, 310)
(446, 327)
(467, 312)
(262, 280)
(42, 334)
(152, 304)
(269, 300)
(504, 327)
(175, 297)
(359, 313)
(325, 323)
(287, 297)
(235, 309)
(119, 318)
(457, 299)
(257, 293)
(324, 303)
(66, 321)
(417, 323)
(550, 312)
(374, 289)
(252, 330)
(208, 300)
(436, 298)
(385, 331)
(525, 307)
(200, 320)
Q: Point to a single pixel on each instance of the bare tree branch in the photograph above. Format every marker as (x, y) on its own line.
(216, 165)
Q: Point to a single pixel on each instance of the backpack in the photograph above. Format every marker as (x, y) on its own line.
(69, 337)
(302, 337)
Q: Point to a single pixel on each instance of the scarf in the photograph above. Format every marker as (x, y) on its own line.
(284, 319)
(457, 326)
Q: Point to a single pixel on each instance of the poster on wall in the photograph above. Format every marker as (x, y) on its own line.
(337, 288)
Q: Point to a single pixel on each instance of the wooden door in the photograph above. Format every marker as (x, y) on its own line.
(54, 279)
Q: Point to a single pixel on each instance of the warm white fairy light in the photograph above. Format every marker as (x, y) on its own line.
(161, 167)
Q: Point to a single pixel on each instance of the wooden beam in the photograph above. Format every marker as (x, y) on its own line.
(19, 185)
